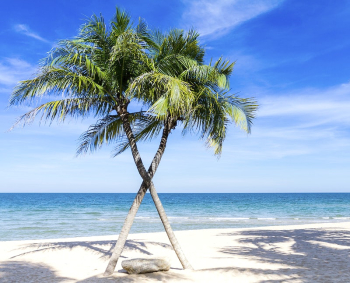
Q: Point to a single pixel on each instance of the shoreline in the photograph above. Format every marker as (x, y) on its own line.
(81, 215)
(115, 236)
(298, 253)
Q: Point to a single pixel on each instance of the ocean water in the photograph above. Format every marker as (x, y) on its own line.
(44, 216)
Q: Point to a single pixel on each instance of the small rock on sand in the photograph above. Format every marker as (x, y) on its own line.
(145, 265)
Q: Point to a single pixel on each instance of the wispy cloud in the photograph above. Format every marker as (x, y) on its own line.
(216, 18)
(24, 29)
(316, 106)
(305, 122)
(13, 70)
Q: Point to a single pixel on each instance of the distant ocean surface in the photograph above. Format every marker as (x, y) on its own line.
(45, 216)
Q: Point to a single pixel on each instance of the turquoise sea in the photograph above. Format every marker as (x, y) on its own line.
(44, 216)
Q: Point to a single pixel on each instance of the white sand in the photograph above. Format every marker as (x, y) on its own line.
(304, 253)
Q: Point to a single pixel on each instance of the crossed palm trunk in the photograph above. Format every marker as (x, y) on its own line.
(147, 183)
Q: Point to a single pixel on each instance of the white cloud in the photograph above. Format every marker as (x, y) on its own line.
(216, 18)
(24, 29)
(12, 70)
(315, 107)
(307, 122)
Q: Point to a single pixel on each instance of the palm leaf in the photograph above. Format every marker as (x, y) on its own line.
(61, 109)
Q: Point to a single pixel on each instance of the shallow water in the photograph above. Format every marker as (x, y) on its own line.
(44, 216)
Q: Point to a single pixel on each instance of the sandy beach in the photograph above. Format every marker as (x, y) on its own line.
(303, 253)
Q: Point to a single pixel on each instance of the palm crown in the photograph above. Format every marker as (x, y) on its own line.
(104, 68)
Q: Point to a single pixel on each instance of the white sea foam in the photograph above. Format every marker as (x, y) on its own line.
(228, 218)
(186, 212)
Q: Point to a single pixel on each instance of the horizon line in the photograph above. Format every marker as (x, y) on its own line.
(177, 193)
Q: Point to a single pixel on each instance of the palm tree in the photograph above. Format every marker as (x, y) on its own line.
(209, 112)
(92, 72)
(104, 69)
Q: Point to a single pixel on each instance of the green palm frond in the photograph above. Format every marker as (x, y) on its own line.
(121, 23)
(176, 42)
(165, 94)
(241, 110)
(146, 128)
(204, 75)
(223, 66)
(110, 129)
(54, 81)
(174, 65)
(127, 50)
(96, 33)
(73, 55)
(106, 129)
(61, 109)
(214, 111)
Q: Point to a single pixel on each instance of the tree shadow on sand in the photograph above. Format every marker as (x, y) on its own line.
(103, 248)
(167, 276)
(310, 255)
(25, 272)
(21, 271)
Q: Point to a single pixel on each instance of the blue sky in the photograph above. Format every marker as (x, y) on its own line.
(292, 56)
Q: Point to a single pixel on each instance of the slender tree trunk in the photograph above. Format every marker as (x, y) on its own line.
(184, 262)
(119, 246)
(137, 202)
